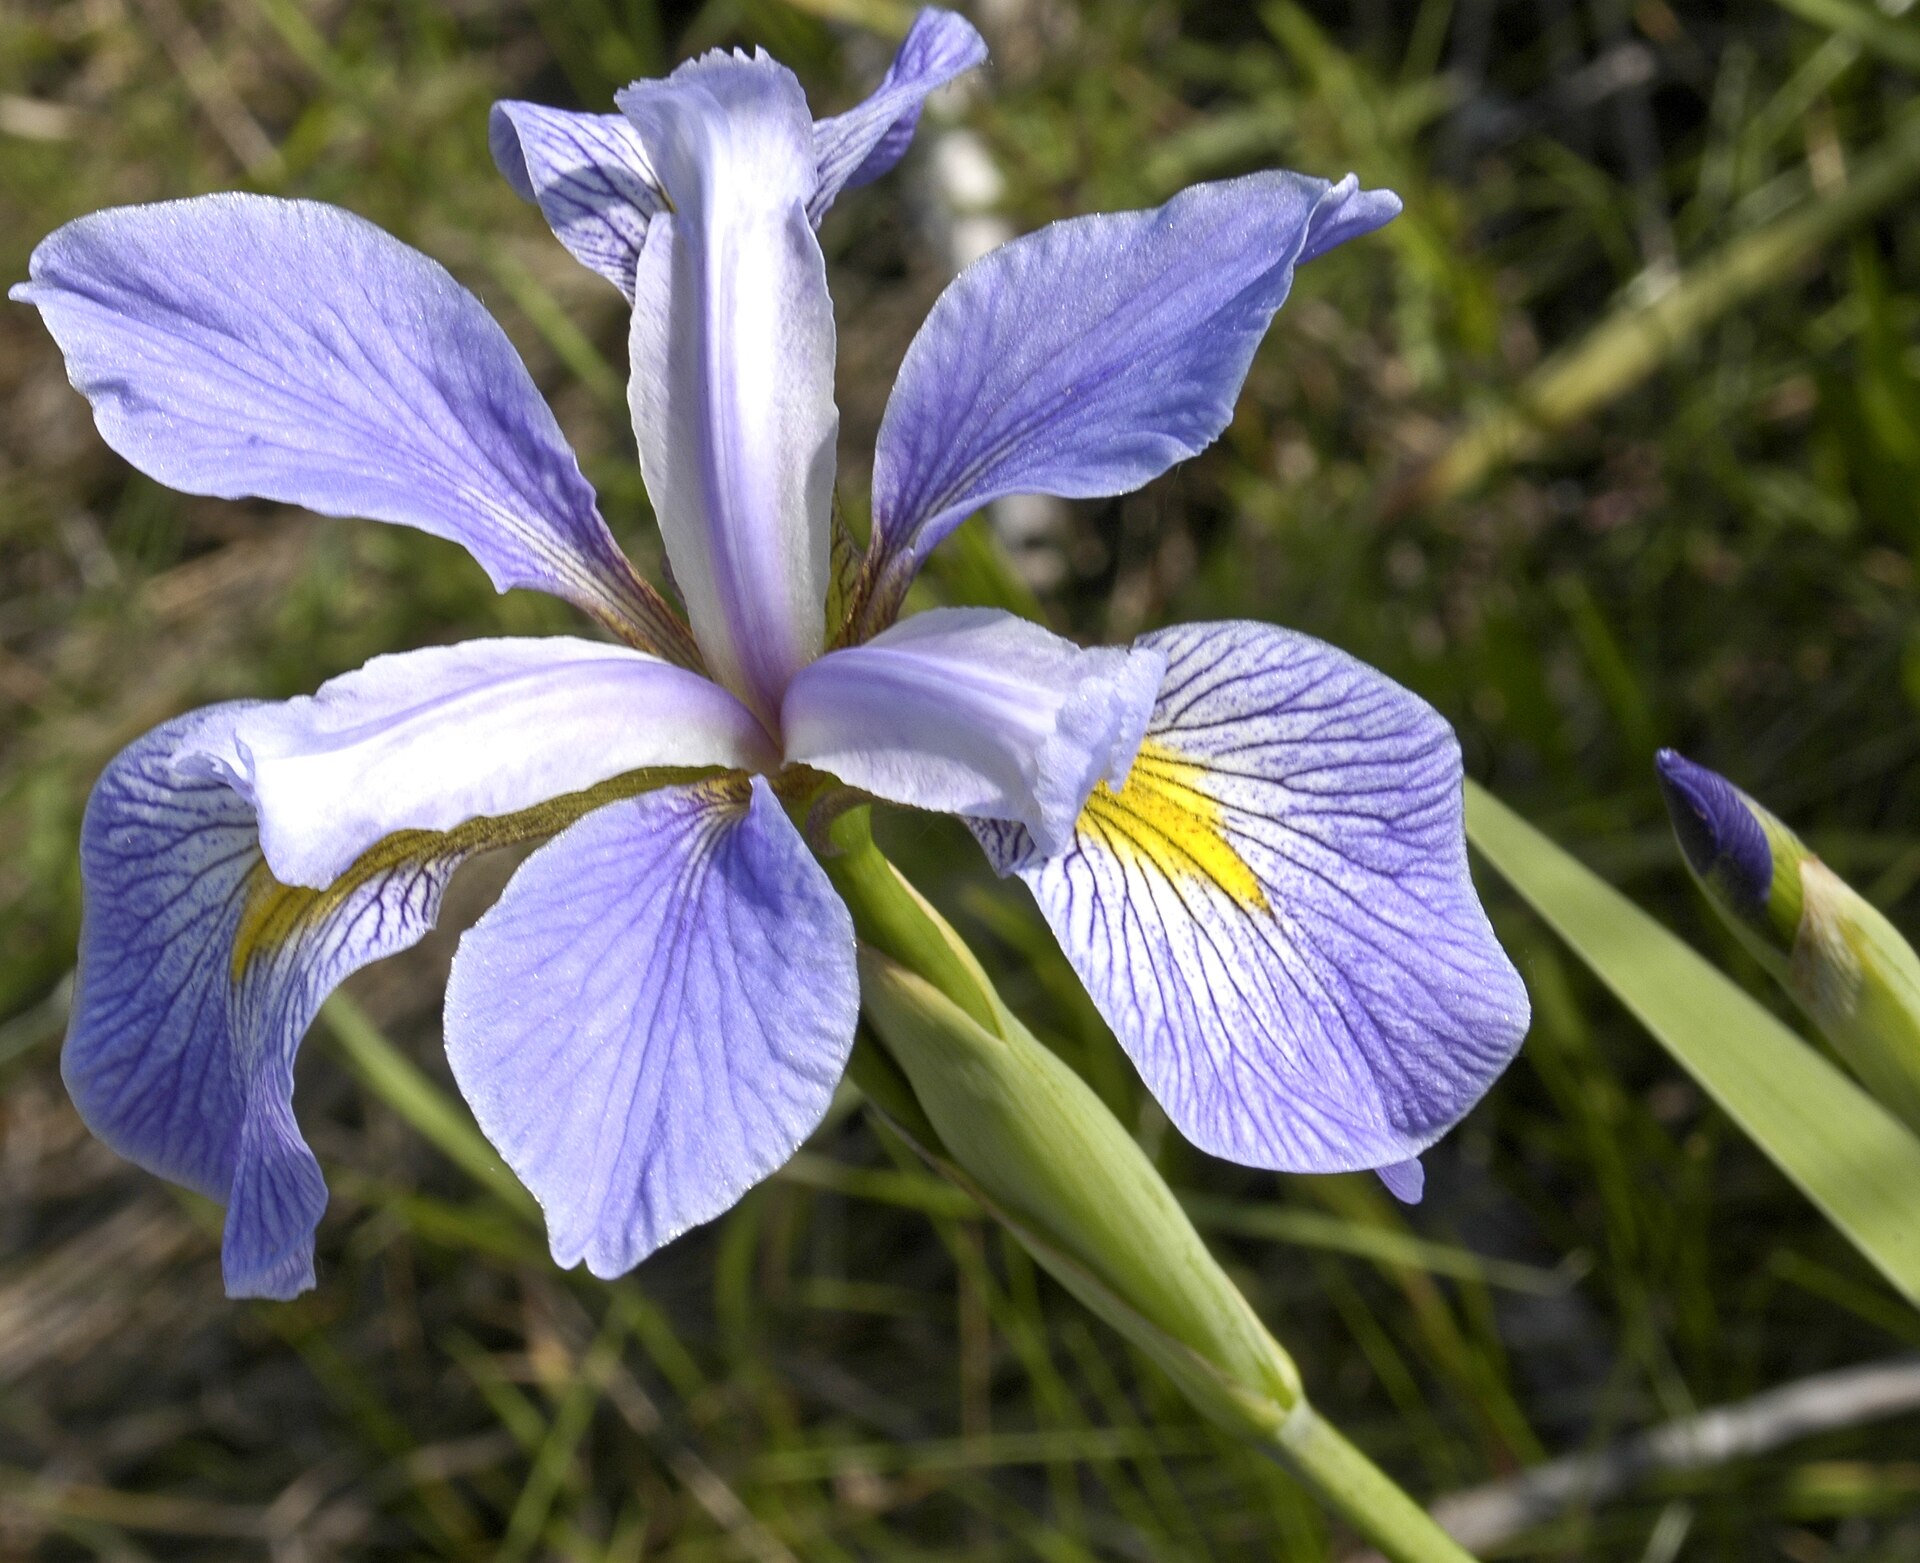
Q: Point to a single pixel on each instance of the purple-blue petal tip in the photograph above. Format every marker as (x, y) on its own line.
(1716, 828)
(1406, 1181)
(1348, 212)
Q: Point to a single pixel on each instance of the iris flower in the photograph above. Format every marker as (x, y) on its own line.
(1248, 843)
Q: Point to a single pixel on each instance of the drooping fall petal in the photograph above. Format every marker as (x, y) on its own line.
(1087, 358)
(199, 975)
(655, 1015)
(1275, 914)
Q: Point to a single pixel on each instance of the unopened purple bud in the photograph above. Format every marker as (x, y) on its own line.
(1718, 830)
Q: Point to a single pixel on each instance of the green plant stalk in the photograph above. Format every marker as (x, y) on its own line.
(1839, 959)
(1860, 982)
(1015, 1119)
(1014, 1126)
(1637, 338)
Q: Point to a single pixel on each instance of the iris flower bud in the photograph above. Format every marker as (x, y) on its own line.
(1030, 1139)
(1009, 1122)
(1844, 964)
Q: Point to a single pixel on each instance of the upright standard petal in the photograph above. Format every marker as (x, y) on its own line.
(1089, 357)
(1275, 915)
(198, 976)
(655, 1015)
(857, 147)
(589, 176)
(592, 180)
(427, 740)
(239, 345)
(732, 359)
(974, 712)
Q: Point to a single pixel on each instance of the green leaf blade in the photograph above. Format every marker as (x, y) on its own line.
(1844, 1151)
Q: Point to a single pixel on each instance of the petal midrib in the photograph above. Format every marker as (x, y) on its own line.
(331, 741)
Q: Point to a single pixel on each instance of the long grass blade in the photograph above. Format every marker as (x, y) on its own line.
(434, 1113)
(1895, 39)
(1844, 1151)
(1634, 341)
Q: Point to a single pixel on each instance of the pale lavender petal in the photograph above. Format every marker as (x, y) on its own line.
(974, 712)
(198, 976)
(732, 366)
(1089, 357)
(592, 179)
(857, 147)
(589, 176)
(654, 1015)
(1406, 1181)
(239, 345)
(1275, 915)
(426, 740)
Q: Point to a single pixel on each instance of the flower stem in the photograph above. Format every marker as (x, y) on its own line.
(891, 917)
(1348, 1482)
(1009, 1122)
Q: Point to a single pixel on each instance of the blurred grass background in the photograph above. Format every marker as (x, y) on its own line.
(1612, 440)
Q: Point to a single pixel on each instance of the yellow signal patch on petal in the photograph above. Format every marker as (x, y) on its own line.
(1165, 817)
(275, 913)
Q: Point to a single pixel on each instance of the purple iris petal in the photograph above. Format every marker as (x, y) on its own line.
(974, 712)
(1716, 829)
(1275, 915)
(655, 1015)
(190, 1002)
(1249, 845)
(732, 352)
(589, 176)
(857, 147)
(1089, 357)
(1406, 1180)
(426, 740)
(239, 345)
(594, 183)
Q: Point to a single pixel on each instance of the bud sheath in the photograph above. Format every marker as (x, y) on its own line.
(1833, 952)
(1021, 1132)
